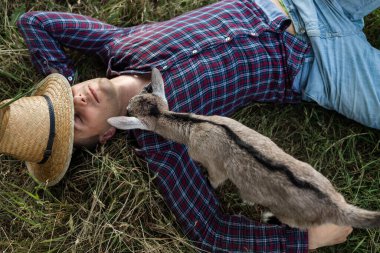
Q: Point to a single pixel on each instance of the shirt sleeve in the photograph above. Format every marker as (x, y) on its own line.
(46, 34)
(193, 202)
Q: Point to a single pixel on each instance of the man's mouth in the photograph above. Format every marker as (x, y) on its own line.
(94, 94)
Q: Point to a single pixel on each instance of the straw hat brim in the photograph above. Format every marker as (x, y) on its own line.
(58, 89)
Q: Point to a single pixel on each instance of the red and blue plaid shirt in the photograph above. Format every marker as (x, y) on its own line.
(214, 60)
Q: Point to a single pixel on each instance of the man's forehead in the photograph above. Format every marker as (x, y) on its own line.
(89, 81)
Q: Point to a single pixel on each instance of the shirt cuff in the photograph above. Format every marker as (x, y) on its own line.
(296, 240)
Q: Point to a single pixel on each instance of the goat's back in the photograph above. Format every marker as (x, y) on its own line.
(262, 171)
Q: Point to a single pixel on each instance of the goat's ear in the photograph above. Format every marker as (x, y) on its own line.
(158, 84)
(127, 123)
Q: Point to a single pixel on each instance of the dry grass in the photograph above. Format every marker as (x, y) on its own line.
(108, 203)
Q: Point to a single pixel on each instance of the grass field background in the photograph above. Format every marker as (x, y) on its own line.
(107, 202)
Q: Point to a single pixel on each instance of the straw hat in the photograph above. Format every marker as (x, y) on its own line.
(40, 129)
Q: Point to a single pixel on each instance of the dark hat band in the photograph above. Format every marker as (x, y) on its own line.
(50, 142)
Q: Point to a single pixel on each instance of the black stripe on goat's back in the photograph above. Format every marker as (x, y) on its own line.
(274, 167)
(185, 118)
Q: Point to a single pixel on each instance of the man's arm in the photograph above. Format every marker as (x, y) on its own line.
(193, 202)
(46, 33)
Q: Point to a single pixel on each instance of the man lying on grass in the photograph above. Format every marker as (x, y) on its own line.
(216, 60)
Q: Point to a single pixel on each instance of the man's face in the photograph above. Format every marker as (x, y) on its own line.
(95, 101)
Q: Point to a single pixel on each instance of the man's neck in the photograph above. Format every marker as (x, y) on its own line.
(128, 86)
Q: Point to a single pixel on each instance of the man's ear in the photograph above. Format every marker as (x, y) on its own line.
(107, 135)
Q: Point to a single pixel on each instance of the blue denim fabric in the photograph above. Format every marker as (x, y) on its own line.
(269, 8)
(342, 73)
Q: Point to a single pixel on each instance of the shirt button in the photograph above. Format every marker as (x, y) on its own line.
(254, 34)
(165, 67)
(45, 62)
(70, 78)
(302, 30)
(228, 39)
(195, 51)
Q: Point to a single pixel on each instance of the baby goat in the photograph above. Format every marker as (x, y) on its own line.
(296, 193)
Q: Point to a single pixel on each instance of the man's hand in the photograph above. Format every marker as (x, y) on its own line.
(327, 235)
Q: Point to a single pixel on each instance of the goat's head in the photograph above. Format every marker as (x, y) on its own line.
(144, 108)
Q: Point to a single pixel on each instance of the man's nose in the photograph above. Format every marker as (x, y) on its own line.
(80, 100)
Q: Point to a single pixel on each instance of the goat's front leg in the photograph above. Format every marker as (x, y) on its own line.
(216, 174)
(215, 169)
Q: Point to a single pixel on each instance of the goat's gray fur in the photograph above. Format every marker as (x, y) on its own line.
(296, 193)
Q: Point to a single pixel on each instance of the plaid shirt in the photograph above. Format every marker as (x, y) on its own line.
(214, 60)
